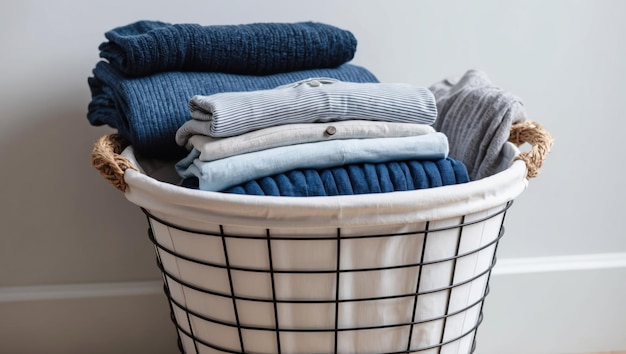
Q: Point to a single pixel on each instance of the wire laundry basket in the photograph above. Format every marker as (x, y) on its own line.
(403, 272)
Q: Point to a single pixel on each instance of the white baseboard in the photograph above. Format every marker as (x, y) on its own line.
(503, 267)
(73, 291)
(559, 263)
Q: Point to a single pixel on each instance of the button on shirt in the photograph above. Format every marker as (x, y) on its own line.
(331, 130)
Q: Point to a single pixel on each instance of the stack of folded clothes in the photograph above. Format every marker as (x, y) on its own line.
(316, 137)
(268, 109)
(152, 69)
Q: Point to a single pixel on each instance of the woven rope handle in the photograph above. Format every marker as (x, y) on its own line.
(106, 157)
(540, 140)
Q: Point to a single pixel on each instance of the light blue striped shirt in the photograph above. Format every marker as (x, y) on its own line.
(308, 101)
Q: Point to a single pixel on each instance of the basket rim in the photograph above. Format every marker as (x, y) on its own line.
(183, 205)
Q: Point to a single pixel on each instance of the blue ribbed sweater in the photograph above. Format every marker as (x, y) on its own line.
(147, 47)
(353, 179)
(148, 110)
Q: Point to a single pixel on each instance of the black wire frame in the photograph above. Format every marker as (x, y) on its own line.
(174, 304)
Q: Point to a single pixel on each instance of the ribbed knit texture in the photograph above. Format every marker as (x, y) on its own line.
(147, 47)
(149, 110)
(477, 116)
(316, 100)
(355, 179)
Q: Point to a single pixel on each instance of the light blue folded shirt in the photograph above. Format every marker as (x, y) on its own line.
(220, 174)
(208, 148)
(315, 100)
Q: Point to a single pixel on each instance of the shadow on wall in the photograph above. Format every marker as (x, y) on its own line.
(62, 222)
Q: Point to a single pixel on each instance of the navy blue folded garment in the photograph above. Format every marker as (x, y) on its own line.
(148, 110)
(147, 47)
(354, 179)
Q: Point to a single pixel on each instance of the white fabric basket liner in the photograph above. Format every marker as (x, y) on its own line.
(376, 273)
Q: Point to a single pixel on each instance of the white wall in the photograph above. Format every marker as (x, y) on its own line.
(64, 230)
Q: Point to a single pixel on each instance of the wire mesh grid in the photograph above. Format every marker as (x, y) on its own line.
(418, 289)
